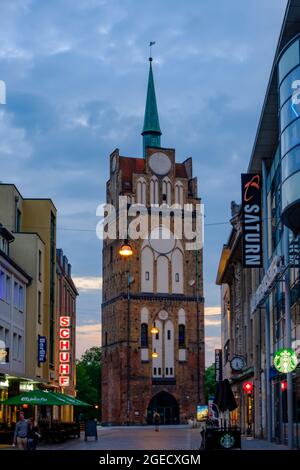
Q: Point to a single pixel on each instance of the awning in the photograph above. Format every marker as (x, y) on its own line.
(69, 400)
(34, 397)
(40, 397)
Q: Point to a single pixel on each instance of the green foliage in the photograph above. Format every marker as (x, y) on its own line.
(210, 382)
(88, 370)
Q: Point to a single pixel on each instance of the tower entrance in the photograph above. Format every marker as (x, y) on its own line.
(166, 405)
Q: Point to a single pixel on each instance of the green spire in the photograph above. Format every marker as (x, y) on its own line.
(151, 130)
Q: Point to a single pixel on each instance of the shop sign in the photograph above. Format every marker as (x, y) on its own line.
(285, 360)
(218, 365)
(42, 349)
(64, 351)
(251, 220)
(275, 270)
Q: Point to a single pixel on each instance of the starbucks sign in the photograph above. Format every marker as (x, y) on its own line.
(285, 360)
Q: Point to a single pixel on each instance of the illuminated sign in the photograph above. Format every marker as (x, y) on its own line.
(64, 351)
(251, 220)
(248, 387)
(285, 360)
(202, 412)
(42, 349)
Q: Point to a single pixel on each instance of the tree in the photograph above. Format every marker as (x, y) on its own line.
(210, 381)
(88, 370)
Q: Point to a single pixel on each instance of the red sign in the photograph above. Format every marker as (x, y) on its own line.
(64, 348)
(283, 385)
(248, 387)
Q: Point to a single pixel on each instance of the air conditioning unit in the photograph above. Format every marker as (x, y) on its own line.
(52, 375)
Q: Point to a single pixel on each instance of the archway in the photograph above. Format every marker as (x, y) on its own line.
(167, 407)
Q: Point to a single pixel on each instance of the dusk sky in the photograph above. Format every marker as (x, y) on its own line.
(76, 76)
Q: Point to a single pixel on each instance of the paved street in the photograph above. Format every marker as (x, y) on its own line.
(145, 438)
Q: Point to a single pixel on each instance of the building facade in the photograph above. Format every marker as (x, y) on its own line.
(32, 224)
(14, 282)
(270, 295)
(160, 286)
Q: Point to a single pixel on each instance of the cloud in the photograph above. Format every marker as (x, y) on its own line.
(212, 342)
(86, 337)
(87, 283)
(212, 322)
(211, 311)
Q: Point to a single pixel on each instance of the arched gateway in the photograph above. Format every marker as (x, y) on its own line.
(167, 407)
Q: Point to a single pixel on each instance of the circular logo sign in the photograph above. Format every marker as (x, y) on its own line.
(227, 441)
(285, 360)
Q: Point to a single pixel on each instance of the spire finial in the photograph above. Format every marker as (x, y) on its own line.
(151, 43)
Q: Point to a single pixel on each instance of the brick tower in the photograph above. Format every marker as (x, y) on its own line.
(153, 306)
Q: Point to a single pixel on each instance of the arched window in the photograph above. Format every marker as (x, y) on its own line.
(177, 271)
(162, 270)
(179, 193)
(154, 190)
(166, 190)
(181, 336)
(141, 191)
(147, 270)
(144, 335)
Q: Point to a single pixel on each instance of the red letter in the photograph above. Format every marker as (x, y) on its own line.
(64, 357)
(64, 381)
(64, 321)
(64, 369)
(64, 345)
(64, 333)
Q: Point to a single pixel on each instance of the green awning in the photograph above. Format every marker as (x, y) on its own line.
(35, 397)
(69, 400)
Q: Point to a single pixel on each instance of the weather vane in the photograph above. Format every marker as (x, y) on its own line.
(151, 43)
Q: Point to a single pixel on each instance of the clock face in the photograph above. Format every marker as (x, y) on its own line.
(162, 240)
(163, 315)
(237, 363)
(160, 163)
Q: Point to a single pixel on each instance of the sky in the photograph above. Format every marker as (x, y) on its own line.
(76, 78)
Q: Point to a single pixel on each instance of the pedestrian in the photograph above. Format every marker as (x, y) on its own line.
(156, 419)
(33, 435)
(21, 432)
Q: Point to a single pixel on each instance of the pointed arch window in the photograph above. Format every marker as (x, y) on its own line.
(141, 191)
(181, 336)
(154, 190)
(144, 335)
(179, 193)
(166, 190)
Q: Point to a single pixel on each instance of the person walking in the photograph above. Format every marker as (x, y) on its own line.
(21, 432)
(33, 435)
(156, 419)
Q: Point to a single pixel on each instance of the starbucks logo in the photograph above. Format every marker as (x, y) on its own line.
(227, 441)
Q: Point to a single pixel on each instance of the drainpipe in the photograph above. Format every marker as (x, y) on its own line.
(288, 333)
(267, 313)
